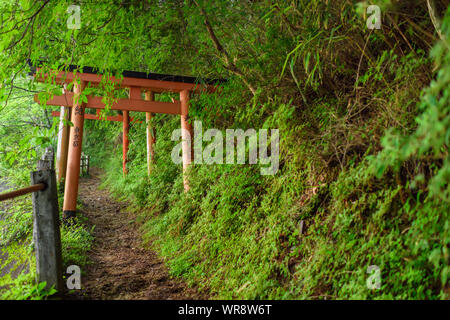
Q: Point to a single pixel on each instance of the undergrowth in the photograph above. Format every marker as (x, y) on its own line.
(364, 126)
(363, 181)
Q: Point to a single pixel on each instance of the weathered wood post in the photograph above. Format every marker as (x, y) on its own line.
(186, 136)
(73, 161)
(46, 232)
(149, 96)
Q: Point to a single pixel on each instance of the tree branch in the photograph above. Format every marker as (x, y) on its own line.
(226, 57)
(31, 21)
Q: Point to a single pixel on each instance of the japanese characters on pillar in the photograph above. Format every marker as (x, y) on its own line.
(74, 153)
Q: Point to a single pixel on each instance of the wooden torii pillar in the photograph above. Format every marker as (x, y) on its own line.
(136, 82)
(63, 143)
(125, 140)
(134, 94)
(186, 137)
(74, 154)
(149, 96)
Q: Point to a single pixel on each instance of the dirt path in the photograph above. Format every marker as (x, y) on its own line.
(121, 268)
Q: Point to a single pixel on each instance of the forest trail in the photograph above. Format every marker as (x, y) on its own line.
(120, 268)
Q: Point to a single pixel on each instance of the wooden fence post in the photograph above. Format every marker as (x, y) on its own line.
(46, 232)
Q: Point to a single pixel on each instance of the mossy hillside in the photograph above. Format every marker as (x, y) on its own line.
(363, 181)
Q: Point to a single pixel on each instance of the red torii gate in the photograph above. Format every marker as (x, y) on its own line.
(136, 82)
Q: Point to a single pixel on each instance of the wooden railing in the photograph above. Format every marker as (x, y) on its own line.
(46, 223)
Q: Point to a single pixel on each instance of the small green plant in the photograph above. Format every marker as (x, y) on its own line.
(24, 288)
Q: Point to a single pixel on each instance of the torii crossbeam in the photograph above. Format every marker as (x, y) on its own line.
(137, 83)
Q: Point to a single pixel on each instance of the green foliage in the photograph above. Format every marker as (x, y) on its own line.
(364, 169)
(16, 222)
(76, 241)
(26, 130)
(23, 288)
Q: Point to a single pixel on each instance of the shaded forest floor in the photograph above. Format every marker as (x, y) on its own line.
(120, 268)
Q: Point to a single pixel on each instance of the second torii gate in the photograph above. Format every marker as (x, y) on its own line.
(136, 82)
